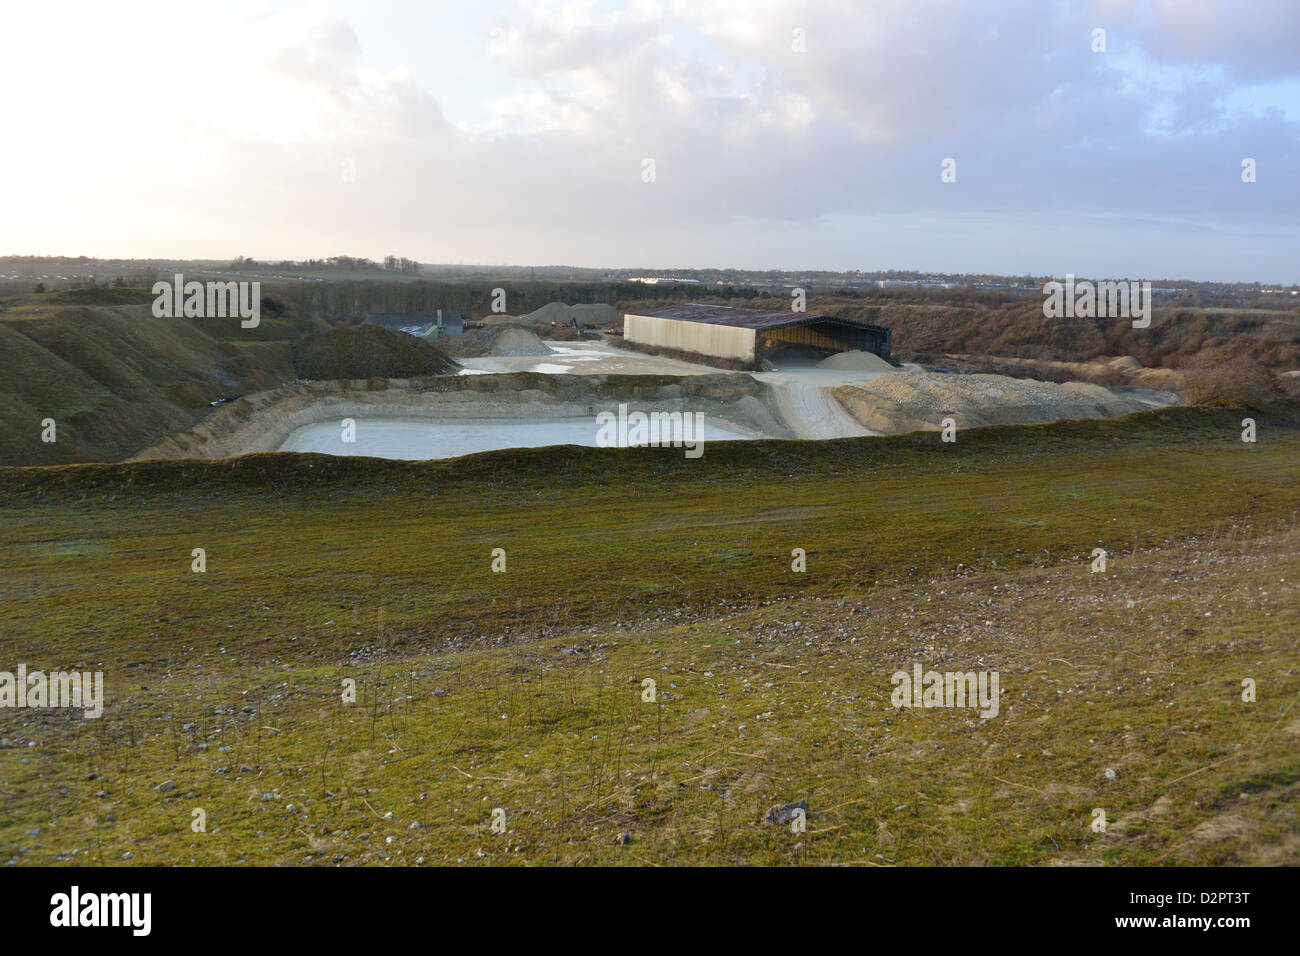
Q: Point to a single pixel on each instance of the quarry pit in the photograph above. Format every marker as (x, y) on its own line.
(553, 397)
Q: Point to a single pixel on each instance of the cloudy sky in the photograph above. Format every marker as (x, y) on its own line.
(782, 134)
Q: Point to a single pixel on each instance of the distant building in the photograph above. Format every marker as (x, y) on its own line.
(421, 324)
(721, 331)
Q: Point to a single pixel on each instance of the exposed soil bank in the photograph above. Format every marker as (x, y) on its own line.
(264, 420)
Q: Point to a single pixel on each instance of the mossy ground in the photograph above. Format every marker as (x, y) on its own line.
(522, 690)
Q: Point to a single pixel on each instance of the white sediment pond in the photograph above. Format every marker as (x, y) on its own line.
(414, 439)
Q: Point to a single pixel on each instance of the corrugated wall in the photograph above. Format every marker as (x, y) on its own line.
(721, 341)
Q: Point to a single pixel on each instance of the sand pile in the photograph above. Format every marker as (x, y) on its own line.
(857, 361)
(924, 392)
(497, 341)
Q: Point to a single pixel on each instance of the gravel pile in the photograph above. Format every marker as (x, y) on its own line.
(551, 312)
(921, 391)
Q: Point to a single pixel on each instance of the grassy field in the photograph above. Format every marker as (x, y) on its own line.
(522, 690)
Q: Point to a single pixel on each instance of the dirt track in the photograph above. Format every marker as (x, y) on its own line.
(812, 411)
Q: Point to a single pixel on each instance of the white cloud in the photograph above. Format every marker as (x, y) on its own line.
(205, 131)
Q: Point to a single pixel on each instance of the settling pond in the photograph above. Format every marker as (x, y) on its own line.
(417, 439)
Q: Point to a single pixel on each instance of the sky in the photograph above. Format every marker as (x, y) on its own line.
(755, 134)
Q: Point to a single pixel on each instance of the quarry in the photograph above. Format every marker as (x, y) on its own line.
(136, 386)
(527, 436)
(132, 385)
(556, 396)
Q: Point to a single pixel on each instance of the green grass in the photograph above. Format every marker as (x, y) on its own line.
(523, 690)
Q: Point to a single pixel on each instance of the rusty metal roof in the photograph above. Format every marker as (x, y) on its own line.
(742, 318)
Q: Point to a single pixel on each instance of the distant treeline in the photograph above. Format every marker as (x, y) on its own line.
(398, 264)
(351, 299)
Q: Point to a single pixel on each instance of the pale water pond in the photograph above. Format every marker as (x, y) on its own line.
(415, 439)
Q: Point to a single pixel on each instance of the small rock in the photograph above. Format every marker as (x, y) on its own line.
(784, 812)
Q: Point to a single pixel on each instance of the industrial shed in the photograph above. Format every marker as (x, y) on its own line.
(746, 335)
